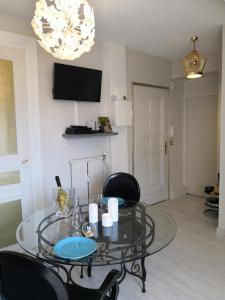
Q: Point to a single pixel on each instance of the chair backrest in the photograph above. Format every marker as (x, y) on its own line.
(26, 278)
(122, 185)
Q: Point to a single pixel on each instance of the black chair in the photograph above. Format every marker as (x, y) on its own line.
(122, 185)
(25, 278)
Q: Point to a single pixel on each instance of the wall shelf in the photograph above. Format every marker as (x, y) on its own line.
(89, 134)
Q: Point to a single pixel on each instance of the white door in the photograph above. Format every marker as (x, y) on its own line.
(15, 161)
(150, 143)
(201, 143)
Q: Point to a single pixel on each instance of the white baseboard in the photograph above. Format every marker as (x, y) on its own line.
(220, 230)
(177, 193)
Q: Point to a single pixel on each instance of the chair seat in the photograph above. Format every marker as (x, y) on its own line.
(80, 293)
(24, 277)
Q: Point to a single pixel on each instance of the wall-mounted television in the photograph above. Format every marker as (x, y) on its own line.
(76, 83)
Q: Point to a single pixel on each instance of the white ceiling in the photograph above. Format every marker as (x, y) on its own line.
(159, 27)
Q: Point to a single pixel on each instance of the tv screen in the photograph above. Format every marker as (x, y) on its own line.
(76, 83)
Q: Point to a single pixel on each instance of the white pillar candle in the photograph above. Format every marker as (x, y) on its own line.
(96, 231)
(93, 213)
(107, 220)
(114, 235)
(113, 208)
(107, 231)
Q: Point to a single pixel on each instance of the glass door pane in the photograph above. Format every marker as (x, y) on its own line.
(11, 177)
(8, 141)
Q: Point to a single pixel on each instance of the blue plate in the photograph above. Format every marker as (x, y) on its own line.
(75, 247)
(121, 201)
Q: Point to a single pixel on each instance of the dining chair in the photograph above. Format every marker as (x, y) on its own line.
(122, 185)
(24, 277)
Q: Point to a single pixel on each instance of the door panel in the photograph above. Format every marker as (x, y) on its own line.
(150, 133)
(10, 218)
(201, 155)
(8, 178)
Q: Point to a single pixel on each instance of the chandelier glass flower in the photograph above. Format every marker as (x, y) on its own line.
(66, 28)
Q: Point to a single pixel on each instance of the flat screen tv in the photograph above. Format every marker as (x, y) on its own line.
(76, 83)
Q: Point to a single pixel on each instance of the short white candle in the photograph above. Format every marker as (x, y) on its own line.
(107, 231)
(107, 220)
(93, 213)
(113, 208)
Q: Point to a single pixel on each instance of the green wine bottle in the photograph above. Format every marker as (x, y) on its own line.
(62, 197)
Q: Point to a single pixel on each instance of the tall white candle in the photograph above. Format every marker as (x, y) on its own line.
(113, 208)
(93, 213)
(114, 235)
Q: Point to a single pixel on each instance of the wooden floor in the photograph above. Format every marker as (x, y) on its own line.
(191, 267)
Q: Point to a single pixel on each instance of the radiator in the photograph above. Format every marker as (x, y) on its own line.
(88, 176)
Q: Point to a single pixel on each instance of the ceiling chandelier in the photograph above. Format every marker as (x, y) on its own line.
(66, 28)
(194, 62)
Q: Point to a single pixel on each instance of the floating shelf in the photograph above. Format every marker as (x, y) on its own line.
(89, 134)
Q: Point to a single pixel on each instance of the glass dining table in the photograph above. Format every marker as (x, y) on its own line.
(141, 231)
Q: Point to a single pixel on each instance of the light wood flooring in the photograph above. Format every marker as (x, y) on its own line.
(192, 267)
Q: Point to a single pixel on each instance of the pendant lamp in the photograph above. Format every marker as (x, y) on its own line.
(194, 62)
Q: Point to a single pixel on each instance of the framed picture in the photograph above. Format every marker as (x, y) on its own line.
(104, 124)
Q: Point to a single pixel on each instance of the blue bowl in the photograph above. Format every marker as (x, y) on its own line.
(121, 201)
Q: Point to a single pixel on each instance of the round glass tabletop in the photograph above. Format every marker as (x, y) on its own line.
(142, 230)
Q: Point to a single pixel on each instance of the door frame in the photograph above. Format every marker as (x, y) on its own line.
(133, 129)
(29, 45)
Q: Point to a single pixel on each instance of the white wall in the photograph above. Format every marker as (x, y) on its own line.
(144, 68)
(206, 85)
(221, 224)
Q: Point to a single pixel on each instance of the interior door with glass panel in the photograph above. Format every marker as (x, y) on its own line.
(15, 186)
(150, 142)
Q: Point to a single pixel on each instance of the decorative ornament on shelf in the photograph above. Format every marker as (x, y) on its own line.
(194, 62)
(66, 28)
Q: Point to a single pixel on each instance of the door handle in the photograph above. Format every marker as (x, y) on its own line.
(166, 147)
(25, 161)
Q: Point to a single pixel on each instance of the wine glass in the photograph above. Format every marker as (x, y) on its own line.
(76, 217)
(88, 229)
(100, 203)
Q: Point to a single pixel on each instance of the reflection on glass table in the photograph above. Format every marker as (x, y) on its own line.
(141, 231)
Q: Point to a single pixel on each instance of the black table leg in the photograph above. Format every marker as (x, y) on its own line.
(143, 274)
(89, 270)
(137, 269)
(82, 272)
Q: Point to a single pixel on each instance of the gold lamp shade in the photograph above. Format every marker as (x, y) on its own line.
(194, 62)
